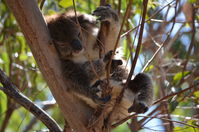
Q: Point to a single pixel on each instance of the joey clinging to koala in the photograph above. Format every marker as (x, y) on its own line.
(78, 49)
(79, 53)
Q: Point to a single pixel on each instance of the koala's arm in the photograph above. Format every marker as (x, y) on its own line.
(111, 25)
(82, 75)
(79, 81)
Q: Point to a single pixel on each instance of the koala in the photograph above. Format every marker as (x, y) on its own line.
(76, 46)
(84, 60)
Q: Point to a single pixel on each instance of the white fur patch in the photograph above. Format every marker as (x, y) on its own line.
(78, 53)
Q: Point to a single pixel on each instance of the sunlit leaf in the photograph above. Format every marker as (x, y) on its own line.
(1, 37)
(192, 1)
(149, 68)
(51, 12)
(179, 76)
(23, 57)
(5, 59)
(66, 3)
(3, 102)
(197, 17)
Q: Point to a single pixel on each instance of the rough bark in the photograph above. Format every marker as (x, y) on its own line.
(35, 31)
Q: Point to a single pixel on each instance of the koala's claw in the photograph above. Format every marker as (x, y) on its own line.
(108, 56)
(97, 83)
(95, 91)
(115, 64)
(138, 108)
(105, 13)
(102, 100)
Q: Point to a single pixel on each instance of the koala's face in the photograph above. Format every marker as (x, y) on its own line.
(66, 36)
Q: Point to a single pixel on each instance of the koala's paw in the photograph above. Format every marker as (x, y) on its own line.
(138, 107)
(100, 100)
(106, 13)
(96, 94)
(115, 64)
(108, 56)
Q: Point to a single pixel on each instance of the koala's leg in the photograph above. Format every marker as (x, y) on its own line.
(80, 83)
(96, 70)
(111, 25)
(141, 85)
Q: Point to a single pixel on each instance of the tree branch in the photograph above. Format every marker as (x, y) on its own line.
(11, 91)
(33, 121)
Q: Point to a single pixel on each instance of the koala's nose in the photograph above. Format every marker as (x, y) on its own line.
(76, 45)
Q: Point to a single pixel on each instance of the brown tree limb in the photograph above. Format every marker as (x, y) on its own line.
(36, 33)
(11, 91)
(33, 121)
(138, 48)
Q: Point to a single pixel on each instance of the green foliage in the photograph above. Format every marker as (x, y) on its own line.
(3, 102)
(121, 128)
(149, 68)
(192, 1)
(178, 76)
(66, 3)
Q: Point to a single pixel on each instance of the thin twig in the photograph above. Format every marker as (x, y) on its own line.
(137, 52)
(190, 46)
(124, 20)
(157, 12)
(169, 120)
(122, 121)
(162, 45)
(118, 37)
(118, 100)
(177, 93)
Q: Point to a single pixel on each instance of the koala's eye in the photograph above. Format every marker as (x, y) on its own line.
(79, 34)
(60, 44)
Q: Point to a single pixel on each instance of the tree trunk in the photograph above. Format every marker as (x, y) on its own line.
(36, 33)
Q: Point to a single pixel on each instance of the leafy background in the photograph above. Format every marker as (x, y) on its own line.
(172, 70)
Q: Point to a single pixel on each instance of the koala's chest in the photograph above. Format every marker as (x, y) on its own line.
(80, 59)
